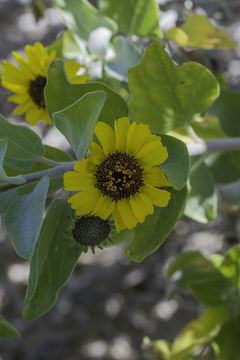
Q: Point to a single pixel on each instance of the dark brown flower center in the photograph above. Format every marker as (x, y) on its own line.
(36, 90)
(91, 230)
(119, 176)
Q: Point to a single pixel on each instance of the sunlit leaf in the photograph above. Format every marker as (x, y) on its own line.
(66, 46)
(7, 330)
(208, 127)
(198, 32)
(199, 332)
(24, 217)
(166, 96)
(54, 258)
(138, 17)
(77, 122)
(151, 234)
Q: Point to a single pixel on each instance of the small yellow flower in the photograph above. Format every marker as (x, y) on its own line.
(120, 177)
(28, 79)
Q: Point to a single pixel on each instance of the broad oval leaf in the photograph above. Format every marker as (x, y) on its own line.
(24, 145)
(60, 93)
(23, 219)
(199, 332)
(177, 165)
(4, 179)
(228, 339)
(139, 17)
(149, 235)
(227, 108)
(54, 258)
(82, 18)
(201, 203)
(198, 32)
(7, 330)
(77, 122)
(166, 96)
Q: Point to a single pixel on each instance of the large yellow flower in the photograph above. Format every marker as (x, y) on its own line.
(120, 177)
(28, 79)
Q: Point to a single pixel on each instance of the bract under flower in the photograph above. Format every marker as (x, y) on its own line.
(121, 177)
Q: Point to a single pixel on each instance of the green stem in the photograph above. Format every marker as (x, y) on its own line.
(208, 147)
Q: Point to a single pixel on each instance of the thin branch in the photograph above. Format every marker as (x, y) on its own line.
(56, 171)
(209, 147)
(49, 161)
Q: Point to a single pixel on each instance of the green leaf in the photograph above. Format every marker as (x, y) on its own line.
(54, 258)
(190, 258)
(205, 281)
(166, 96)
(77, 122)
(23, 219)
(120, 237)
(153, 231)
(82, 18)
(126, 56)
(225, 166)
(228, 339)
(230, 267)
(24, 145)
(4, 179)
(202, 199)
(60, 93)
(227, 108)
(7, 197)
(7, 330)
(177, 165)
(66, 46)
(208, 127)
(199, 332)
(56, 154)
(198, 32)
(139, 17)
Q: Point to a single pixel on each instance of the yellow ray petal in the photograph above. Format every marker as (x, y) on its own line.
(105, 135)
(136, 137)
(152, 154)
(158, 197)
(33, 115)
(19, 98)
(84, 201)
(97, 154)
(121, 128)
(74, 181)
(155, 177)
(104, 207)
(127, 214)
(19, 89)
(22, 108)
(119, 223)
(141, 205)
(84, 166)
(24, 65)
(11, 73)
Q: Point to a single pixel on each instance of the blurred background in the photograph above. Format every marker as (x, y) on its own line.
(110, 303)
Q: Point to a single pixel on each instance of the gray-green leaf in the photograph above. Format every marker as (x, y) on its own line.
(77, 122)
(54, 258)
(7, 330)
(23, 219)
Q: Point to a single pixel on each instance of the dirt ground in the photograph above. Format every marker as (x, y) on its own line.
(110, 303)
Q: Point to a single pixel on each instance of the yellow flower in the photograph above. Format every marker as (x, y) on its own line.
(28, 79)
(120, 177)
